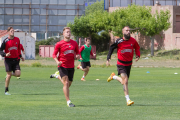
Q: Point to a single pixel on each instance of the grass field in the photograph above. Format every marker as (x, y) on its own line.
(37, 97)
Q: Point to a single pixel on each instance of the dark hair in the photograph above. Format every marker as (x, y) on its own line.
(88, 38)
(9, 28)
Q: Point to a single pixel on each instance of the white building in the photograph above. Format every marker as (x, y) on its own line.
(26, 40)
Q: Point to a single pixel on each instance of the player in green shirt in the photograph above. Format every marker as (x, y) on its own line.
(85, 52)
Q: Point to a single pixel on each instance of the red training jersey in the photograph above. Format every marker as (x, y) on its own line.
(82, 48)
(12, 46)
(125, 51)
(66, 52)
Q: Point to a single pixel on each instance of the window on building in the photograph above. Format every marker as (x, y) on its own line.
(177, 23)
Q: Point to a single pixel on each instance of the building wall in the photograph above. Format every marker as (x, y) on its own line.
(168, 39)
(28, 43)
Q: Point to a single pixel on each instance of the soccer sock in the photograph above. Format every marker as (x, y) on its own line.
(115, 77)
(83, 76)
(6, 89)
(57, 76)
(69, 101)
(127, 98)
(80, 67)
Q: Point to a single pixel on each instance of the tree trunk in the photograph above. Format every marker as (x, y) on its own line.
(152, 46)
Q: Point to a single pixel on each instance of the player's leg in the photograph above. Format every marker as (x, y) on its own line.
(8, 66)
(125, 78)
(86, 71)
(55, 75)
(19, 76)
(65, 80)
(85, 68)
(124, 71)
(16, 69)
(113, 76)
(70, 77)
(17, 73)
(7, 81)
(59, 78)
(88, 65)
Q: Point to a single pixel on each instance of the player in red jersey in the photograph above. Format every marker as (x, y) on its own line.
(65, 61)
(125, 51)
(11, 47)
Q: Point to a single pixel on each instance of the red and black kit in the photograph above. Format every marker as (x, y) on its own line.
(125, 52)
(12, 46)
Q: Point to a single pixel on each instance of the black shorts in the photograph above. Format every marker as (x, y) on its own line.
(124, 69)
(19, 60)
(66, 72)
(85, 64)
(11, 65)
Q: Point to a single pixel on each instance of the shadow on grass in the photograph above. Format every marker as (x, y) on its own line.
(95, 105)
(42, 94)
(135, 105)
(154, 105)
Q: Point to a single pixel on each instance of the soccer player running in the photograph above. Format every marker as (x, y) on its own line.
(125, 51)
(11, 47)
(65, 61)
(85, 52)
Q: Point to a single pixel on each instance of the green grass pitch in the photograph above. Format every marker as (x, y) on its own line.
(37, 97)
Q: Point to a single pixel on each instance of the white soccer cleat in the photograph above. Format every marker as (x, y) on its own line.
(7, 93)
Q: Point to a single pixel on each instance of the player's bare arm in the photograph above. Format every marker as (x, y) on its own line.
(22, 58)
(58, 62)
(137, 58)
(94, 54)
(78, 56)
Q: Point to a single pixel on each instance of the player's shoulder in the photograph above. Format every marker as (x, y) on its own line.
(16, 38)
(133, 39)
(60, 42)
(73, 41)
(119, 40)
(6, 39)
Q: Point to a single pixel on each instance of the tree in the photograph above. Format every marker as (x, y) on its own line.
(140, 19)
(97, 6)
(92, 22)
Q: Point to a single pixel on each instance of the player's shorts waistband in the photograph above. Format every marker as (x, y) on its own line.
(125, 62)
(11, 59)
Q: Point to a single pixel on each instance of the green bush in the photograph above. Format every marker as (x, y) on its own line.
(36, 64)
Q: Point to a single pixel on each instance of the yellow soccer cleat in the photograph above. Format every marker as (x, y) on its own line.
(56, 73)
(111, 77)
(129, 103)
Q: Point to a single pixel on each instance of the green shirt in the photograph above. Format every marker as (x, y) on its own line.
(85, 54)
